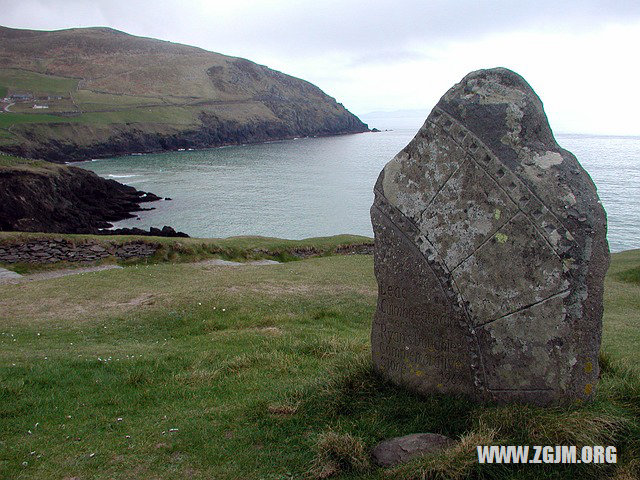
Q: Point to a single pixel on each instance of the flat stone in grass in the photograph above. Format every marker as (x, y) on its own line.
(402, 449)
(490, 253)
(227, 263)
(8, 274)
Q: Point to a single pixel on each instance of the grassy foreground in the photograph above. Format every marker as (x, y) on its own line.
(262, 372)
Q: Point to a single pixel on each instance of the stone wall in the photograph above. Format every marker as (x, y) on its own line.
(58, 249)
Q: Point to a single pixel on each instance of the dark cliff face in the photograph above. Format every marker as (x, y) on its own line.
(115, 93)
(63, 200)
(213, 132)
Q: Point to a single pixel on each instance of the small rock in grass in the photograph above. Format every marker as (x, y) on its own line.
(402, 449)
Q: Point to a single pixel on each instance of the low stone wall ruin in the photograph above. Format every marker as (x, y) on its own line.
(58, 250)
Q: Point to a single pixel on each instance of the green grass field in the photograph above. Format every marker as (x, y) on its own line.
(13, 163)
(97, 108)
(169, 115)
(7, 119)
(179, 370)
(22, 81)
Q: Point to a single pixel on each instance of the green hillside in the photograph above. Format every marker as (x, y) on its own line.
(72, 94)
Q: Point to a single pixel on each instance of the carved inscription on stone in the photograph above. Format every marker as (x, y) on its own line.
(417, 338)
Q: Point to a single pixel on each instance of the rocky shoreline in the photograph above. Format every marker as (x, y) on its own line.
(45, 197)
(123, 140)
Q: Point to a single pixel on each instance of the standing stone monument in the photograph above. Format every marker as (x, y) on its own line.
(490, 253)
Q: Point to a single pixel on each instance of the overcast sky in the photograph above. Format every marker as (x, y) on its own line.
(581, 56)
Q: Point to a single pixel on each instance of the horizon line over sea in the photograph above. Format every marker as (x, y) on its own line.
(310, 187)
(412, 117)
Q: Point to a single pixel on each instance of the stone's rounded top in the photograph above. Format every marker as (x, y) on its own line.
(500, 75)
(491, 81)
(501, 108)
(497, 113)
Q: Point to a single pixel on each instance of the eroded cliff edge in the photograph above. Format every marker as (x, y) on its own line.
(37, 196)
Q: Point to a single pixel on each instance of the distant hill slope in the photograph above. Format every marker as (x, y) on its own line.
(90, 92)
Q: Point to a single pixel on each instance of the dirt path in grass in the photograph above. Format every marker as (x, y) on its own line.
(7, 276)
(216, 262)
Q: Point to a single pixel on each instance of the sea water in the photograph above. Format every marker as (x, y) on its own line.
(312, 187)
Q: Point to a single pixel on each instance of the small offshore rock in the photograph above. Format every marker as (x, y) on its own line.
(402, 449)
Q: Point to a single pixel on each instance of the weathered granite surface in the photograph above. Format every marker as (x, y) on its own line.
(490, 253)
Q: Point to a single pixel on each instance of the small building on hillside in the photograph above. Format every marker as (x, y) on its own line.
(21, 96)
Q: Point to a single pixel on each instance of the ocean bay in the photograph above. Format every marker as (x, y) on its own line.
(323, 186)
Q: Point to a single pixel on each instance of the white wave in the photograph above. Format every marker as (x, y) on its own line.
(121, 176)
